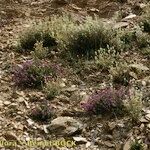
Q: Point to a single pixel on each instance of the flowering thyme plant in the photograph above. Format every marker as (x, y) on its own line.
(33, 74)
(107, 100)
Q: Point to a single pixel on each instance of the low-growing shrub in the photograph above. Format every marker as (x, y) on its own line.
(121, 74)
(36, 34)
(106, 101)
(143, 39)
(42, 112)
(51, 90)
(40, 52)
(35, 74)
(105, 60)
(146, 25)
(136, 145)
(88, 38)
(144, 20)
(146, 51)
(127, 38)
(51, 32)
(134, 106)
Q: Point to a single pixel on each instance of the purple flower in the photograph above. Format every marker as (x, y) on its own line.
(33, 74)
(106, 100)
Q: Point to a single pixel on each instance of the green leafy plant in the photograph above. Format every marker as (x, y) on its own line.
(51, 89)
(127, 38)
(134, 105)
(145, 21)
(36, 34)
(35, 73)
(143, 39)
(121, 73)
(136, 145)
(40, 52)
(42, 112)
(146, 51)
(88, 38)
(105, 60)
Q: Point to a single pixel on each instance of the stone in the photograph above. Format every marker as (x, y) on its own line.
(111, 125)
(1, 103)
(88, 144)
(94, 10)
(80, 140)
(139, 67)
(131, 16)
(65, 126)
(148, 126)
(109, 144)
(144, 83)
(7, 102)
(82, 93)
(62, 85)
(147, 117)
(142, 5)
(142, 127)
(143, 120)
(45, 129)
(147, 111)
(20, 99)
(10, 136)
(75, 7)
(121, 25)
(71, 89)
(127, 144)
(30, 122)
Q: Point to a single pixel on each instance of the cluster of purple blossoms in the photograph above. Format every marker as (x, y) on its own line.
(31, 73)
(21, 75)
(106, 100)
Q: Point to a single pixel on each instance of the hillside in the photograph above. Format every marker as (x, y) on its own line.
(75, 71)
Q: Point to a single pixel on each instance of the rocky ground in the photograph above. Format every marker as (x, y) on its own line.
(92, 132)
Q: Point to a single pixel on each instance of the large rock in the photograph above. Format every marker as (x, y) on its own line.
(65, 126)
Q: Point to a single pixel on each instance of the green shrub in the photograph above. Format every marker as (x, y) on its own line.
(136, 145)
(88, 38)
(120, 73)
(51, 90)
(146, 23)
(145, 19)
(105, 60)
(127, 38)
(42, 112)
(134, 106)
(143, 39)
(146, 51)
(33, 35)
(40, 52)
(51, 32)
